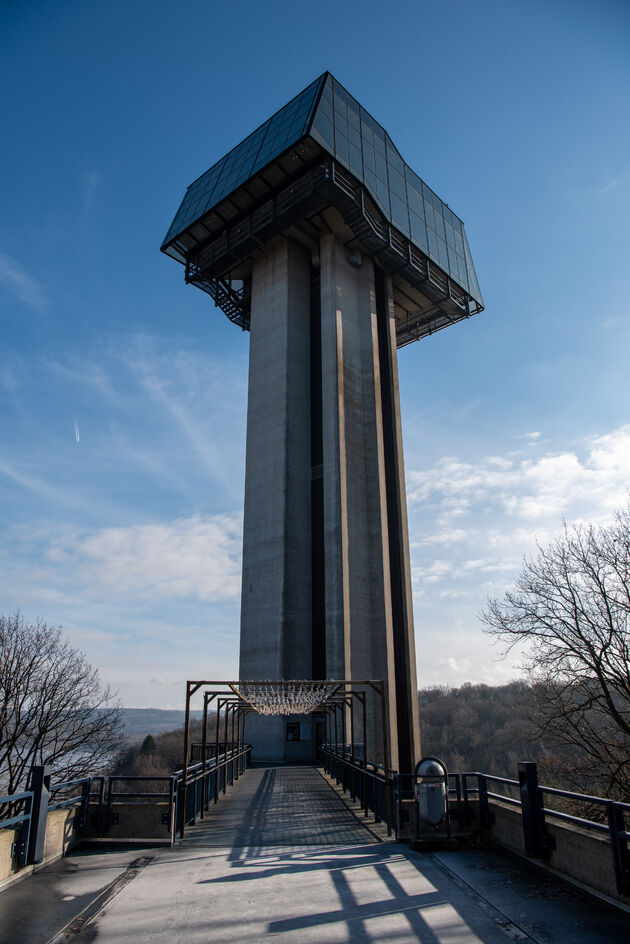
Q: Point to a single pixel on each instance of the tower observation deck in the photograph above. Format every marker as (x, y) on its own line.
(316, 236)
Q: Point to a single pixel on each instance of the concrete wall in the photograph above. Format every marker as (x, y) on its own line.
(136, 821)
(61, 835)
(580, 854)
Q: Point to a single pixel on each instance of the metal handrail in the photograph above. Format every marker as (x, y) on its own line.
(12, 798)
(22, 820)
(366, 792)
(538, 842)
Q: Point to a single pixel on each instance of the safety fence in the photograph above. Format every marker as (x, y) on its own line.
(205, 785)
(536, 803)
(98, 802)
(369, 784)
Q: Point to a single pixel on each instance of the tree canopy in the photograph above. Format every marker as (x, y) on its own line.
(53, 708)
(570, 610)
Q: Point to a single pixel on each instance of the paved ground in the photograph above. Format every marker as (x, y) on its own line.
(281, 806)
(281, 858)
(33, 909)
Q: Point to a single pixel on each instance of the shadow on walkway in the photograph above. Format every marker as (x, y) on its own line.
(280, 806)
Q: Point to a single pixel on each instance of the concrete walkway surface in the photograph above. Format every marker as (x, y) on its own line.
(235, 879)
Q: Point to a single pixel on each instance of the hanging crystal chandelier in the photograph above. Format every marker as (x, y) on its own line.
(295, 697)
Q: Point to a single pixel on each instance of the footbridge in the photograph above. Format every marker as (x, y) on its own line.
(287, 854)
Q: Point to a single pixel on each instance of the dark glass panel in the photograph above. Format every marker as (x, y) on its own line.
(368, 158)
(341, 124)
(397, 183)
(370, 180)
(381, 166)
(382, 192)
(418, 230)
(442, 252)
(325, 127)
(414, 198)
(325, 108)
(354, 136)
(356, 162)
(413, 180)
(400, 215)
(341, 146)
(433, 243)
(353, 113)
(394, 159)
(439, 222)
(473, 285)
(366, 119)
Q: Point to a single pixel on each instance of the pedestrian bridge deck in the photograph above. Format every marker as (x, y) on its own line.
(282, 857)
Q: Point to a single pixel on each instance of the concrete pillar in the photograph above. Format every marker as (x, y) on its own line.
(276, 590)
(346, 473)
(359, 638)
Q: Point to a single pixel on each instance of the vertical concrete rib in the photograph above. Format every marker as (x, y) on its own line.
(358, 598)
(404, 662)
(276, 590)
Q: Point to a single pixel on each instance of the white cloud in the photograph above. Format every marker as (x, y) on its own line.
(21, 283)
(533, 489)
(471, 524)
(197, 557)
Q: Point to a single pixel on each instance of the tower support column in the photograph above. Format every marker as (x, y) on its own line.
(276, 588)
(369, 621)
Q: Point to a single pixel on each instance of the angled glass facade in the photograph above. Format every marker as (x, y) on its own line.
(324, 118)
(349, 132)
(285, 128)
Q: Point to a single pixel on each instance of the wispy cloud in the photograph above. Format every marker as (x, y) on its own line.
(92, 182)
(23, 285)
(197, 557)
(612, 184)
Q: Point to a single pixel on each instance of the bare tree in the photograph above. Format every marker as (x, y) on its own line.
(571, 608)
(53, 708)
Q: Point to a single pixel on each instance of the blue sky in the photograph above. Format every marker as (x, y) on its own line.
(123, 393)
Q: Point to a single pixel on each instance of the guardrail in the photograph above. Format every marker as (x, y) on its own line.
(22, 820)
(536, 814)
(203, 785)
(370, 784)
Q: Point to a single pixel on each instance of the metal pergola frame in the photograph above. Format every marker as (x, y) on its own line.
(341, 697)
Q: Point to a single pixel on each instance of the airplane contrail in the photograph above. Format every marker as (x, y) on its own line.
(76, 431)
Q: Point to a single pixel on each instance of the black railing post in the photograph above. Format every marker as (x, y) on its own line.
(484, 806)
(619, 846)
(86, 788)
(534, 829)
(172, 807)
(40, 785)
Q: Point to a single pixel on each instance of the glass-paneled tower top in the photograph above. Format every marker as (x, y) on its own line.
(325, 121)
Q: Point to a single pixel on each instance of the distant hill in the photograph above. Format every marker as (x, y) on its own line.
(139, 722)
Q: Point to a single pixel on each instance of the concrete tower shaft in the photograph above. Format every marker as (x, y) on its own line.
(326, 584)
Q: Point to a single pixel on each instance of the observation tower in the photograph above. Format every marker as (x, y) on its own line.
(314, 235)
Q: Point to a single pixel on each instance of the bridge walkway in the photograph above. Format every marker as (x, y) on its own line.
(282, 858)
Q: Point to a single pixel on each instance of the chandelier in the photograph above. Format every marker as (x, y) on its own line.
(294, 697)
